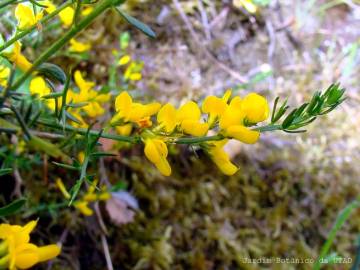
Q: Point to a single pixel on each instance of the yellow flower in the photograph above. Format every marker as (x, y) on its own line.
(87, 10)
(124, 60)
(15, 56)
(4, 75)
(129, 111)
(188, 117)
(62, 188)
(87, 95)
(84, 208)
(90, 196)
(124, 130)
(26, 17)
(252, 109)
(79, 47)
(67, 16)
(133, 71)
(20, 253)
(156, 151)
(38, 87)
(221, 158)
(215, 106)
(50, 7)
(255, 108)
(166, 117)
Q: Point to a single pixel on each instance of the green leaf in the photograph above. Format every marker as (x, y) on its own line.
(52, 71)
(5, 171)
(12, 208)
(66, 166)
(53, 95)
(136, 23)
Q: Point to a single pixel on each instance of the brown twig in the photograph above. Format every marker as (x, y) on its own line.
(196, 39)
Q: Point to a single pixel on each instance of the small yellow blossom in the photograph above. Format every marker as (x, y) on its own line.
(124, 130)
(26, 17)
(188, 117)
(87, 10)
(156, 151)
(38, 87)
(79, 47)
(166, 118)
(253, 109)
(62, 188)
(124, 60)
(221, 158)
(87, 95)
(215, 106)
(50, 7)
(129, 111)
(15, 56)
(90, 196)
(21, 254)
(4, 75)
(67, 16)
(133, 71)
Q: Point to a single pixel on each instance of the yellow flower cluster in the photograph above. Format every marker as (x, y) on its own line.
(16, 251)
(89, 197)
(91, 99)
(229, 118)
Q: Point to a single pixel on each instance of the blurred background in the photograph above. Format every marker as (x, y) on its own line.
(290, 187)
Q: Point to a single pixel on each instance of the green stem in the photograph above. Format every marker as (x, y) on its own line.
(8, 2)
(83, 131)
(197, 140)
(103, 6)
(269, 127)
(32, 28)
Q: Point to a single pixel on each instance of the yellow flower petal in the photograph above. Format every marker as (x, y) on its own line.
(243, 134)
(194, 127)
(67, 16)
(123, 102)
(189, 111)
(26, 256)
(84, 86)
(38, 87)
(124, 60)
(167, 117)
(87, 10)
(48, 252)
(78, 47)
(221, 158)
(156, 151)
(26, 17)
(62, 188)
(50, 7)
(255, 108)
(83, 207)
(124, 130)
